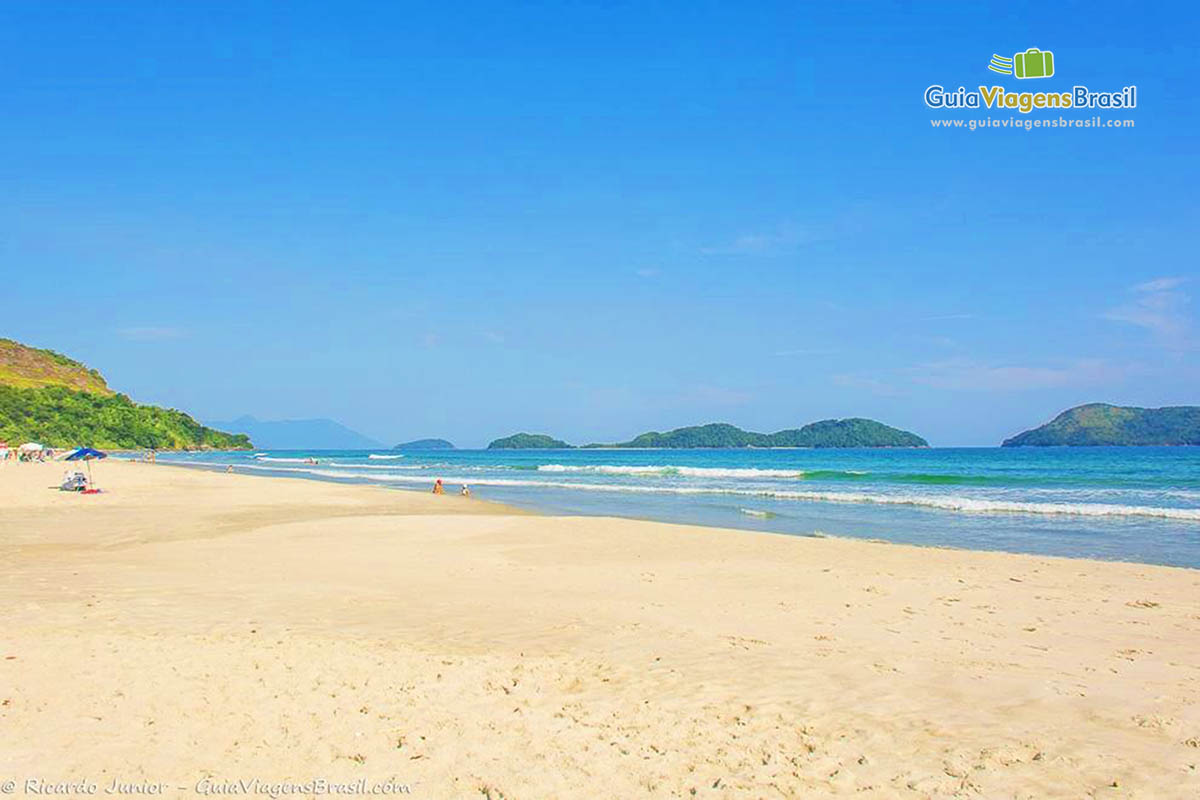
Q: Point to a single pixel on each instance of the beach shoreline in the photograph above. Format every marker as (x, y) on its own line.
(1103, 505)
(189, 623)
(503, 507)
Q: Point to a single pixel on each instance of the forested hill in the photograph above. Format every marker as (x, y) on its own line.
(1098, 424)
(853, 432)
(528, 441)
(49, 398)
(425, 444)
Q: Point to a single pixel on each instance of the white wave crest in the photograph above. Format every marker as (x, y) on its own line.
(672, 469)
(941, 502)
(387, 457)
(754, 512)
(380, 466)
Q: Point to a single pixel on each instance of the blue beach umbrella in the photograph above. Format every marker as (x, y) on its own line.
(86, 454)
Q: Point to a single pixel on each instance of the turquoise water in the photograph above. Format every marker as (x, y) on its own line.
(1133, 504)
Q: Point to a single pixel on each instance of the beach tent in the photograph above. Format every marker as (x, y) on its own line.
(87, 454)
(30, 447)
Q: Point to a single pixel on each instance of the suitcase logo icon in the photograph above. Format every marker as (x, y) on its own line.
(1033, 63)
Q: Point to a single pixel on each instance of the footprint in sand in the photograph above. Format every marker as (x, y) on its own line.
(743, 642)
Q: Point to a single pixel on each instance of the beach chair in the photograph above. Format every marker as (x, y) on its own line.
(74, 482)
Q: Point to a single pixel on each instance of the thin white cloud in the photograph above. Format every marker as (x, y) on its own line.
(708, 395)
(783, 238)
(964, 374)
(1161, 308)
(1159, 284)
(805, 351)
(150, 333)
(866, 383)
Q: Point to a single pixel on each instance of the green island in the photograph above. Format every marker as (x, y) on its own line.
(528, 441)
(52, 399)
(854, 432)
(1101, 424)
(425, 444)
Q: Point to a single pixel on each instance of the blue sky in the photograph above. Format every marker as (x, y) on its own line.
(594, 219)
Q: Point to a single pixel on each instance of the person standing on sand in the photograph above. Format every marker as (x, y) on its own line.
(437, 487)
(466, 492)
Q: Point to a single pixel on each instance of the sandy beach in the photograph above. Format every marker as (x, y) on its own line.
(194, 629)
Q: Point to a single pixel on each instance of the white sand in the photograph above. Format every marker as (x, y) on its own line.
(188, 626)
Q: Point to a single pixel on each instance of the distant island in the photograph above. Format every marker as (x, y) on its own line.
(49, 398)
(853, 432)
(299, 434)
(528, 441)
(425, 444)
(1101, 424)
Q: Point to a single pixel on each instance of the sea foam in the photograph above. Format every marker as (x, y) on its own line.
(942, 502)
(671, 469)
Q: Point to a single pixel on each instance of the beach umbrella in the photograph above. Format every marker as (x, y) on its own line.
(87, 454)
(30, 447)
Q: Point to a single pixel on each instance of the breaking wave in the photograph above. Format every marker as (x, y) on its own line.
(943, 502)
(671, 469)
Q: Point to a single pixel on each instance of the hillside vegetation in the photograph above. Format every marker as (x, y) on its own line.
(1100, 424)
(25, 367)
(853, 432)
(528, 441)
(425, 444)
(49, 398)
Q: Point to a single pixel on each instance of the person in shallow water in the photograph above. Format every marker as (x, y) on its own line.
(437, 487)
(466, 492)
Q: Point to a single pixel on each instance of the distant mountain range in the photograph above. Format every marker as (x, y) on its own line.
(853, 432)
(49, 398)
(298, 434)
(425, 444)
(1098, 424)
(53, 399)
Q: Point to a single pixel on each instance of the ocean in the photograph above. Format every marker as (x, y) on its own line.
(1130, 504)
